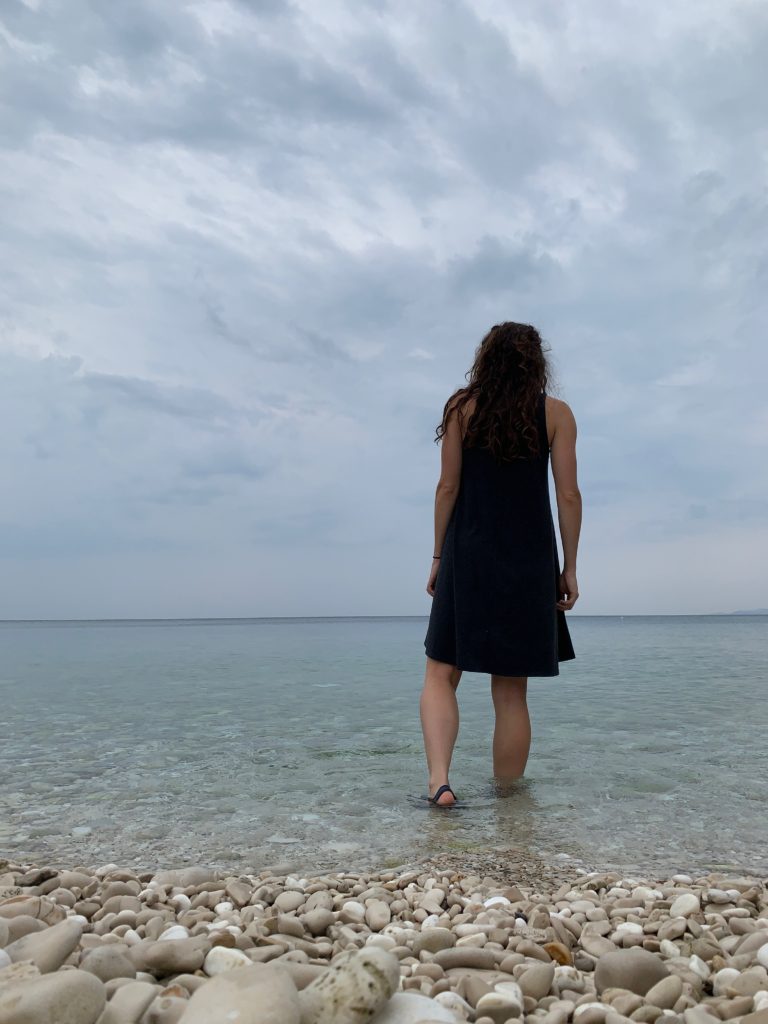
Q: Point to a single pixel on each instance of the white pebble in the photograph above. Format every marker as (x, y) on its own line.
(497, 901)
(224, 907)
(760, 1001)
(4, 958)
(762, 956)
(180, 901)
(698, 966)
(176, 931)
(222, 958)
(583, 1007)
(685, 904)
(430, 921)
(453, 1001)
(668, 948)
(722, 979)
(682, 879)
(511, 992)
(629, 928)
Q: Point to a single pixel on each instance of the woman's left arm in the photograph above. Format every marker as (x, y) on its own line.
(447, 487)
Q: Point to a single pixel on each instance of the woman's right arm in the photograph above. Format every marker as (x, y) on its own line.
(567, 493)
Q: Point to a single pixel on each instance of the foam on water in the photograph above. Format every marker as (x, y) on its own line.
(243, 742)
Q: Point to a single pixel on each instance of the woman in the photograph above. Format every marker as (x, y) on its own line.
(499, 597)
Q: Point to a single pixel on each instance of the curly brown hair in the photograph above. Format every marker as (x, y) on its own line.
(507, 377)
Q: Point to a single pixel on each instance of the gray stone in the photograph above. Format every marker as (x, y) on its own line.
(131, 1000)
(108, 962)
(318, 920)
(409, 1008)
(49, 948)
(433, 940)
(183, 877)
(635, 969)
(63, 997)
(255, 994)
(377, 915)
(536, 980)
(172, 956)
(597, 945)
(466, 956)
(665, 993)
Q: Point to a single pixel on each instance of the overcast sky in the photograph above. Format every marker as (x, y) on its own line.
(249, 248)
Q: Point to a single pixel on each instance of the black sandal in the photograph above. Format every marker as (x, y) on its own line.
(443, 789)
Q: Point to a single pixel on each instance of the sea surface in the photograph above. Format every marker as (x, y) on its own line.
(252, 742)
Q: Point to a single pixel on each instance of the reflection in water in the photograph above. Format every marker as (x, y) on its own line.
(500, 815)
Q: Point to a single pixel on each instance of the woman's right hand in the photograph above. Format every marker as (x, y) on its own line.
(569, 590)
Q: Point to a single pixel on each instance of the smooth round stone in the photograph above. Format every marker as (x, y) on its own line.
(497, 901)
(665, 993)
(590, 1013)
(408, 1008)
(722, 980)
(466, 956)
(668, 949)
(224, 958)
(597, 945)
(176, 931)
(63, 997)
(257, 994)
(291, 900)
(685, 904)
(433, 940)
(131, 1000)
(453, 1001)
(183, 877)
(377, 915)
(536, 981)
(635, 969)
(502, 1003)
(762, 956)
(176, 956)
(49, 948)
(698, 966)
(318, 920)
(352, 913)
(5, 960)
(108, 962)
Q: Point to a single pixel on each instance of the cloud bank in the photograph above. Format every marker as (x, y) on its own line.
(250, 247)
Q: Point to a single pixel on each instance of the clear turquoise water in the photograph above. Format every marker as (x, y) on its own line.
(242, 743)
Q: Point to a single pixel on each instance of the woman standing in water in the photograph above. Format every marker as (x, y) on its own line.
(499, 596)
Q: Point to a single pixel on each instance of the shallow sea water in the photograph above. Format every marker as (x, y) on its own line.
(244, 743)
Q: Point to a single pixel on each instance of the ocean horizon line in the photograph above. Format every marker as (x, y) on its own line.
(348, 618)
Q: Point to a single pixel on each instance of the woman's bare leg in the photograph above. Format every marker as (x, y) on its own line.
(439, 711)
(512, 733)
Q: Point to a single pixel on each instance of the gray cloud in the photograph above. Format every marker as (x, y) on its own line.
(250, 248)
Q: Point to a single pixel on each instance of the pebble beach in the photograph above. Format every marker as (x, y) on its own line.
(444, 940)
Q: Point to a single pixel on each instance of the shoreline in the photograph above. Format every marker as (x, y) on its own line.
(451, 937)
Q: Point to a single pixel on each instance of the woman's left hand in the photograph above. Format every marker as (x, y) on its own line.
(433, 577)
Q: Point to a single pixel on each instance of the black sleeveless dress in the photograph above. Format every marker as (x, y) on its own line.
(494, 604)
